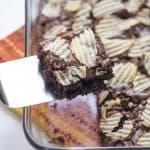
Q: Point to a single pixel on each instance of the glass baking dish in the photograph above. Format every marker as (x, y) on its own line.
(34, 134)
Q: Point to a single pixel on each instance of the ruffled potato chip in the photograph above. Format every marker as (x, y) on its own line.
(141, 83)
(124, 132)
(147, 63)
(144, 140)
(107, 27)
(115, 47)
(84, 47)
(145, 115)
(106, 7)
(140, 47)
(108, 124)
(82, 17)
(133, 5)
(124, 73)
(54, 31)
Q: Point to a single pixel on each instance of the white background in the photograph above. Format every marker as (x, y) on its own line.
(11, 132)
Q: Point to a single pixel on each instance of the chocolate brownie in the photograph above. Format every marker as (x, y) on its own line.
(79, 40)
(74, 63)
(124, 117)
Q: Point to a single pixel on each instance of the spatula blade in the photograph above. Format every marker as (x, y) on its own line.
(21, 83)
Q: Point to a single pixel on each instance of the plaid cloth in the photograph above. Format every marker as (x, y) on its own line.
(12, 47)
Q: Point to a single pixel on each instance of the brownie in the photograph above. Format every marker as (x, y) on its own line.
(74, 63)
(58, 16)
(78, 43)
(124, 117)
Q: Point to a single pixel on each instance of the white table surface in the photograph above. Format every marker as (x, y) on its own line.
(11, 132)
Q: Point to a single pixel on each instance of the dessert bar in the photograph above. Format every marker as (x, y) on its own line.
(99, 46)
(74, 63)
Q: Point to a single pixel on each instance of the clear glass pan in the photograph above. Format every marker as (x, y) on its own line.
(36, 137)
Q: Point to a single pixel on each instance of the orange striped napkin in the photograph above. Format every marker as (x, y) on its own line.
(12, 47)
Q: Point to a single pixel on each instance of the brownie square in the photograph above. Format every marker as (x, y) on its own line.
(74, 63)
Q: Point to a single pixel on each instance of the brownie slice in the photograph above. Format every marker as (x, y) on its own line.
(74, 63)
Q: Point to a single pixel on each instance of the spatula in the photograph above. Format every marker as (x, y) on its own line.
(21, 83)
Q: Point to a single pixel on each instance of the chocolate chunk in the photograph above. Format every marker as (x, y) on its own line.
(124, 14)
(136, 31)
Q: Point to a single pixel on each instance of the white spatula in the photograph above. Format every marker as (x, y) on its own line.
(21, 83)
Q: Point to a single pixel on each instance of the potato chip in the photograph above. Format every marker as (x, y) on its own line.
(124, 73)
(144, 140)
(108, 105)
(71, 75)
(107, 27)
(141, 83)
(56, 2)
(127, 24)
(84, 47)
(108, 124)
(144, 16)
(124, 132)
(51, 10)
(55, 30)
(82, 16)
(102, 95)
(145, 115)
(73, 6)
(115, 47)
(59, 47)
(140, 47)
(133, 5)
(147, 63)
(107, 7)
